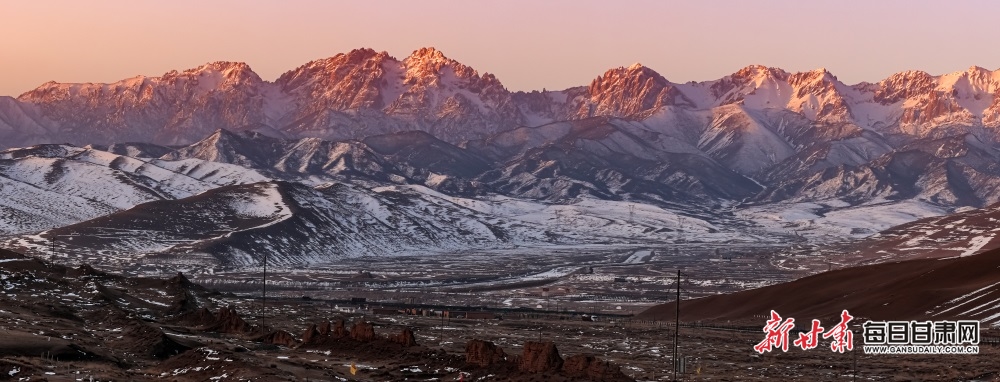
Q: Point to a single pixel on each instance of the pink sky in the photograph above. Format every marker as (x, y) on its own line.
(527, 44)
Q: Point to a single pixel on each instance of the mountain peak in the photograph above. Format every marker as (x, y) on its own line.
(978, 69)
(229, 70)
(224, 65)
(821, 74)
(760, 72)
(636, 71)
(429, 62)
(629, 91)
(428, 54)
(815, 76)
(361, 54)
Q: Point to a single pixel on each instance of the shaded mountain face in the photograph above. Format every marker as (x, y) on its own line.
(420, 150)
(233, 194)
(609, 159)
(295, 224)
(954, 171)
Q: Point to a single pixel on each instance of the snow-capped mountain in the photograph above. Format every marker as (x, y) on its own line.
(363, 92)
(364, 121)
(348, 96)
(763, 123)
(175, 108)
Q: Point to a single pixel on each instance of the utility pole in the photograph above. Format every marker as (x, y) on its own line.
(677, 325)
(263, 301)
(854, 375)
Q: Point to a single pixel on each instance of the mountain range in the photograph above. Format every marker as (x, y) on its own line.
(425, 131)
(797, 136)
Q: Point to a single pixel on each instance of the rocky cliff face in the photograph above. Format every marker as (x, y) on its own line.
(333, 98)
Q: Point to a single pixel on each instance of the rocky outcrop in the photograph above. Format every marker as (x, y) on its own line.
(404, 337)
(278, 337)
(311, 335)
(200, 318)
(324, 328)
(325, 331)
(593, 369)
(539, 357)
(225, 321)
(483, 353)
(228, 321)
(363, 331)
(339, 330)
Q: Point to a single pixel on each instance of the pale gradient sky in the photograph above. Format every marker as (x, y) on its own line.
(526, 44)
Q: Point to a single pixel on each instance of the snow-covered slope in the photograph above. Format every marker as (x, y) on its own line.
(295, 225)
(233, 196)
(960, 234)
(54, 185)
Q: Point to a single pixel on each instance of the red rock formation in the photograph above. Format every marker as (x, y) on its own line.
(228, 321)
(363, 331)
(279, 337)
(405, 338)
(540, 357)
(592, 368)
(339, 331)
(200, 317)
(483, 353)
(324, 328)
(311, 334)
